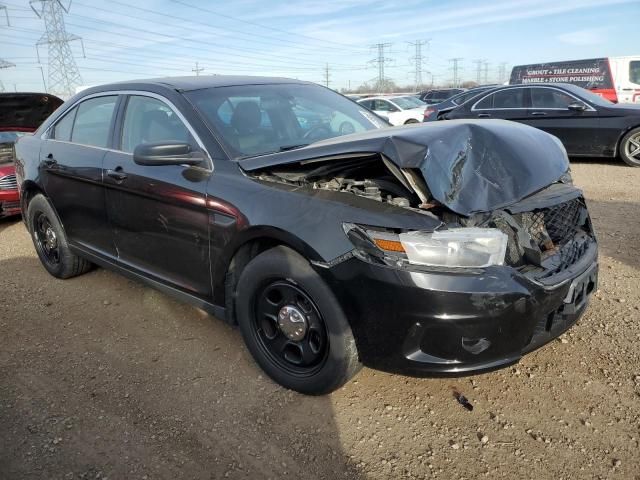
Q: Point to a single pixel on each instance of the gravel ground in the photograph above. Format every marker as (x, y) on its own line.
(101, 377)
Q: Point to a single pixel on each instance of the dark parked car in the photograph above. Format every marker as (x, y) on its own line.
(587, 124)
(436, 112)
(20, 113)
(432, 97)
(445, 248)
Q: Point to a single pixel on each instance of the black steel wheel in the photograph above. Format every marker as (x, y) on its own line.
(45, 239)
(289, 328)
(50, 240)
(293, 324)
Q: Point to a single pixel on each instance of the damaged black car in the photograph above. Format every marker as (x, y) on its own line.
(331, 239)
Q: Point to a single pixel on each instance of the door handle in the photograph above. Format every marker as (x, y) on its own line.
(538, 114)
(484, 115)
(50, 161)
(117, 174)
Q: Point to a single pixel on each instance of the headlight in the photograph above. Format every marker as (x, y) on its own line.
(456, 247)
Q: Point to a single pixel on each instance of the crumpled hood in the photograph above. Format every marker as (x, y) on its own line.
(26, 111)
(468, 165)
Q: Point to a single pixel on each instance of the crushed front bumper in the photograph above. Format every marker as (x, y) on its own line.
(420, 323)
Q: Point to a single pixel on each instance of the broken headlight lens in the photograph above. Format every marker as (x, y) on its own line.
(456, 247)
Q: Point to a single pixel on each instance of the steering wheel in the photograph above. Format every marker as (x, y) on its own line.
(323, 129)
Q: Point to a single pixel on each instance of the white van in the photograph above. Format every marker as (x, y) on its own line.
(615, 78)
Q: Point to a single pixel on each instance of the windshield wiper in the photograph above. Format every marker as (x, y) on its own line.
(284, 148)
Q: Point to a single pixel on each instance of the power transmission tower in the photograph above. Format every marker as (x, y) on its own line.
(197, 70)
(326, 75)
(457, 69)
(478, 63)
(4, 63)
(486, 72)
(381, 82)
(63, 71)
(502, 72)
(418, 59)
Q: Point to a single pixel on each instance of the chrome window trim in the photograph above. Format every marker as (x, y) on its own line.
(141, 93)
(588, 109)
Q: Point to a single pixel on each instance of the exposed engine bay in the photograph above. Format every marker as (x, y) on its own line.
(547, 237)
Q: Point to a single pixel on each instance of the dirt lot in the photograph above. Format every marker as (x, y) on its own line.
(103, 378)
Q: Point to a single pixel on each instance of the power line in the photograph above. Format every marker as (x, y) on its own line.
(4, 63)
(326, 75)
(456, 70)
(63, 72)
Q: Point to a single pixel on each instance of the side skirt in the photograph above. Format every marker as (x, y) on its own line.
(215, 310)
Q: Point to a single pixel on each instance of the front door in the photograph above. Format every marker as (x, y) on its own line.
(158, 213)
(579, 131)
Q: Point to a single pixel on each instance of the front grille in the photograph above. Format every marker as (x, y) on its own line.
(555, 225)
(8, 182)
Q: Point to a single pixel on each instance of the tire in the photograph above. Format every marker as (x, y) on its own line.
(410, 121)
(50, 241)
(630, 148)
(275, 290)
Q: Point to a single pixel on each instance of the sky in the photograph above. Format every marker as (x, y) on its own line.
(315, 39)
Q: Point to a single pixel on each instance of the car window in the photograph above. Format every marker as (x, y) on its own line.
(62, 129)
(149, 120)
(383, 106)
(550, 98)
(366, 104)
(408, 102)
(463, 97)
(510, 98)
(93, 121)
(634, 71)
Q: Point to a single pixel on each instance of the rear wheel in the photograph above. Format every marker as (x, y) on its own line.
(410, 121)
(293, 325)
(50, 241)
(630, 148)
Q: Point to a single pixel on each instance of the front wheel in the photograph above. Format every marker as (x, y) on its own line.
(630, 148)
(293, 325)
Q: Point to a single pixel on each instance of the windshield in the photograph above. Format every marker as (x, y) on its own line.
(406, 103)
(255, 120)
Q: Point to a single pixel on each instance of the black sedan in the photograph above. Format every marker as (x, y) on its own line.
(445, 248)
(437, 111)
(587, 124)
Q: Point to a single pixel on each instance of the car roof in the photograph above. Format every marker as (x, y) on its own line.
(189, 83)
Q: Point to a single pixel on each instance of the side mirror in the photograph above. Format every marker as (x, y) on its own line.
(155, 154)
(577, 107)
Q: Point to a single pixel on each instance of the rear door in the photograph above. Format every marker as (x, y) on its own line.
(579, 131)
(71, 167)
(506, 104)
(158, 213)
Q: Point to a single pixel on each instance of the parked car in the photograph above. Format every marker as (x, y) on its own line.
(446, 248)
(20, 113)
(587, 124)
(433, 97)
(397, 110)
(435, 112)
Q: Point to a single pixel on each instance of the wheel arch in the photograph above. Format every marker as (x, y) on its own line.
(251, 243)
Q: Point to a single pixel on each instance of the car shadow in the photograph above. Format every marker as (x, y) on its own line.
(103, 377)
